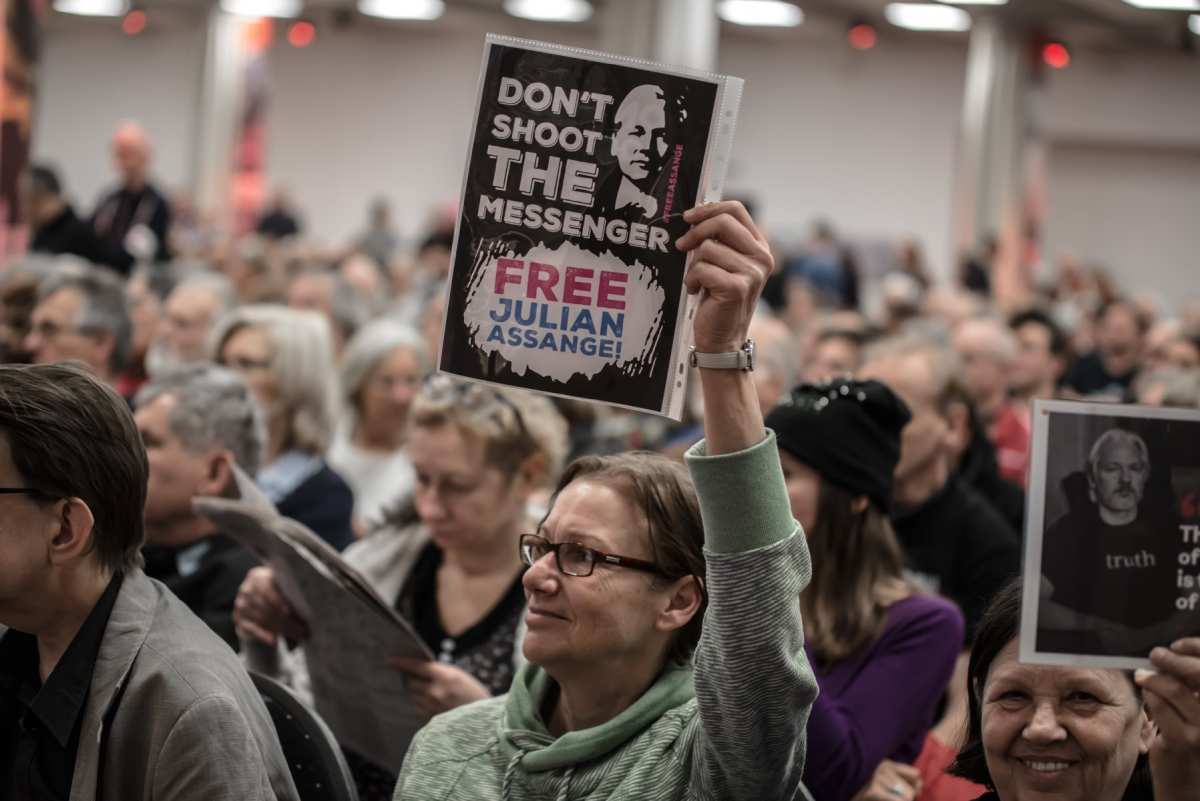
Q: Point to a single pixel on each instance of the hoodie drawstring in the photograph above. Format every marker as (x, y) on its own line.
(511, 771)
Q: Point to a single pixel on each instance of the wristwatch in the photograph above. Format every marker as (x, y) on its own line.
(741, 359)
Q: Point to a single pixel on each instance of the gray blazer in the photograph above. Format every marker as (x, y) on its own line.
(171, 715)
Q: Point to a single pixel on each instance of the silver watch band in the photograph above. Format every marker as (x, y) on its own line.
(741, 359)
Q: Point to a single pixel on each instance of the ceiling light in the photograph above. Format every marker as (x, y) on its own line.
(1166, 5)
(763, 13)
(402, 9)
(975, 2)
(261, 8)
(1194, 24)
(550, 10)
(927, 17)
(92, 8)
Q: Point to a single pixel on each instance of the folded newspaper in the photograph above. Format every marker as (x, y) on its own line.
(351, 629)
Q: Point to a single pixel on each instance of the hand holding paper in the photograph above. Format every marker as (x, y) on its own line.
(731, 262)
(1172, 697)
(261, 612)
(436, 687)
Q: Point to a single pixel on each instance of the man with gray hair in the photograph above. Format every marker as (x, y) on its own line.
(82, 314)
(198, 424)
(199, 299)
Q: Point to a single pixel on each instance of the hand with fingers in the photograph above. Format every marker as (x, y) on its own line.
(893, 781)
(731, 261)
(436, 687)
(261, 613)
(1172, 695)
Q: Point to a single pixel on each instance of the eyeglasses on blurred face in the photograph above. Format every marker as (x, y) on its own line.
(574, 559)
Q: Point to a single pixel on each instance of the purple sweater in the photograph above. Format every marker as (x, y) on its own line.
(880, 703)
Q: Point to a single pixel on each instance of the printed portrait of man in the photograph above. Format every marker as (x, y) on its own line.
(1107, 564)
(1117, 470)
(640, 146)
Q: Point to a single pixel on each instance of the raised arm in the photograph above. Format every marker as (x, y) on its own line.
(754, 687)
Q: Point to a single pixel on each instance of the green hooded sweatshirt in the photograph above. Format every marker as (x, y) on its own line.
(729, 727)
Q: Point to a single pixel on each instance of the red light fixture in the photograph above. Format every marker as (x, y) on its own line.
(134, 22)
(302, 34)
(1056, 55)
(862, 36)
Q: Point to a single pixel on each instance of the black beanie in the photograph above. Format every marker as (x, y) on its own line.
(848, 431)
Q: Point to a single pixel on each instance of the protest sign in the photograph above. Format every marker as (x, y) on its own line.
(566, 278)
(1112, 538)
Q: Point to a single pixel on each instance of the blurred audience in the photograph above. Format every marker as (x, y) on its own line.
(199, 299)
(286, 358)
(82, 315)
(55, 227)
(380, 240)
(1108, 372)
(134, 219)
(382, 369)
(279, 219)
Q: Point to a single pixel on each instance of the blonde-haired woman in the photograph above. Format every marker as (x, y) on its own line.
(286, 358)
(447, 558)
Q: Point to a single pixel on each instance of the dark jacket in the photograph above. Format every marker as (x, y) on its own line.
(325, 504)
(980, 471)
(122, 209)
(962, 546)
(67, 234)
(210, 586)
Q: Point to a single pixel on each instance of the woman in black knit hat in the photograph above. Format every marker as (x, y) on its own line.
(883, 651)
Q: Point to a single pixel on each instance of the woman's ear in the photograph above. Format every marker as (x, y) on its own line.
(684, 602)
(859, 504)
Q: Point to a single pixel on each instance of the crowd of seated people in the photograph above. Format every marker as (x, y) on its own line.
(807, 592)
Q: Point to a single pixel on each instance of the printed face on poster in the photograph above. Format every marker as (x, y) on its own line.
(566, 278)
(1112, 541)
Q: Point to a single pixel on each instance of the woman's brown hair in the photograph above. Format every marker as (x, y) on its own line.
(662, 489)
(855, 554)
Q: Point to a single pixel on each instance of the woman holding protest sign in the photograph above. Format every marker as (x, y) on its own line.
(1079, 734)
(447, 558)
(883, 651)
(625, 581)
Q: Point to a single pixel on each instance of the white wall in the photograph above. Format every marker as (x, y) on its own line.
(1132, 210)
(93, 77)
(867, 140)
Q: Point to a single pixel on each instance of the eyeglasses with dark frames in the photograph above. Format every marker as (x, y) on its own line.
(575, 559)
(24, 491)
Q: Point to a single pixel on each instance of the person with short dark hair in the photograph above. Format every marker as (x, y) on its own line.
(109, 686)
(56, 228)
(1109, 371)
(200, 426)
(1042, 355)
(1078, 734)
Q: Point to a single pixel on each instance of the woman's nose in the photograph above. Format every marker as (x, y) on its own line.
(1044, 727)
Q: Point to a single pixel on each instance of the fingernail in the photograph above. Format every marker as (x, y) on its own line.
(1141, 675)
(1159, 653)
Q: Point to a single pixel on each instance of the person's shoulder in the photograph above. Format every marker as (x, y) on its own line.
(926, 615)
(184, 658)
(462, 733)
(326, 480)
(979, 515)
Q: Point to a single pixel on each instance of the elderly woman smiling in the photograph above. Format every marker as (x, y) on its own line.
(1075, 734)
(613, 704)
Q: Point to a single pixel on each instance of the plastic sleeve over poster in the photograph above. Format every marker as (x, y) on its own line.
(565, 276)
(1112, 534)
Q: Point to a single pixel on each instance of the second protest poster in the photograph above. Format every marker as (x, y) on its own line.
(566, 278)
